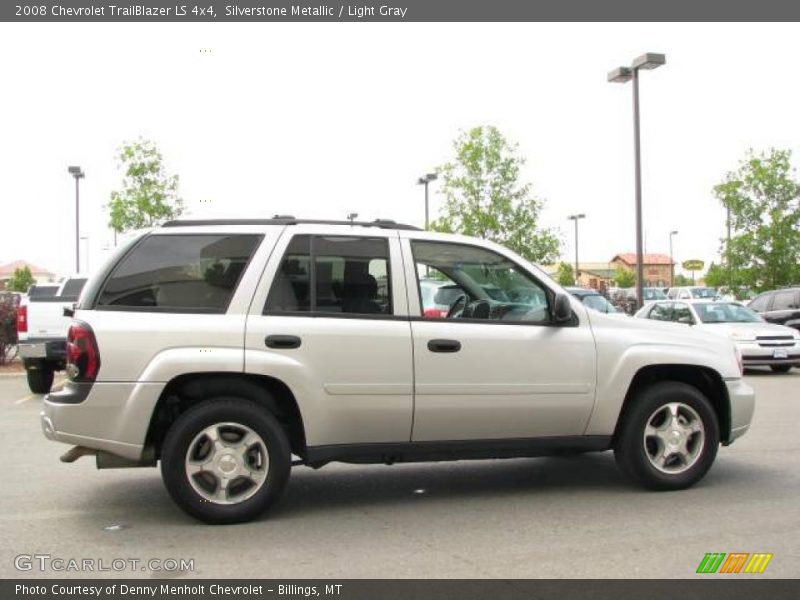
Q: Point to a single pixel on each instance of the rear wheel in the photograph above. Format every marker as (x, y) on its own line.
(225, 460)
(40, 378)
(781, 368)
(669, 437)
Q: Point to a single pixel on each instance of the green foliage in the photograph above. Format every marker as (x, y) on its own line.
(484, 197)
(763, 198)
(717, 276)
(8, 325)
(565, 274)
(682, 280)
(624, 278)
(148, 196)
(21, 280)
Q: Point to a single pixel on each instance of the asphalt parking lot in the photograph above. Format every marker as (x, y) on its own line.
(546, 517)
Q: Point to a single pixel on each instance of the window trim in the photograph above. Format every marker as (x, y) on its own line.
(259, 239)
(548, 292)
(312, 283)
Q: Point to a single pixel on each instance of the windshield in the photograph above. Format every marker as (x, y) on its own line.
(654, 294)
(726, 312)
(599, 303)
(709, 293)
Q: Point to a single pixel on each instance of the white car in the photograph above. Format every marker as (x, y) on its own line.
(761, 343)
(221, 348)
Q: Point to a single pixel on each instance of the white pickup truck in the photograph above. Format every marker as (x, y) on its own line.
(42, 330)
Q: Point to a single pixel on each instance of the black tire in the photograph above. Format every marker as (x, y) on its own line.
(40, 378)
(781, 368)
(195, 420)
(630, 450)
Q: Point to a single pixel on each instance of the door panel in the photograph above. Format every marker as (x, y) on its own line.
(487, 376)
(337, 334)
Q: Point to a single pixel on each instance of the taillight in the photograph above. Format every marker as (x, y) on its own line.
(22, 319)
(83, 357)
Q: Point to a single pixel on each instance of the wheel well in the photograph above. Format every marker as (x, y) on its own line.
(188, 390)
(708, 381)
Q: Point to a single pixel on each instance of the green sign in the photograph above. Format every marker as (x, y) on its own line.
(693, 265)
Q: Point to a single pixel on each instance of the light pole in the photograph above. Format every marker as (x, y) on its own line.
(671, 261)
(85, 238)
(728, 248)
(622, 75)
(78, 174)
(425, 181)
(352, 217)
(576, 218)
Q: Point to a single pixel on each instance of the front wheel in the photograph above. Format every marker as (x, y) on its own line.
(225, 460)
(668, 438)
(781, 368)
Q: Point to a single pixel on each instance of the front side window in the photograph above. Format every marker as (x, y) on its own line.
(478, 284)
(659, 312)
(333, 275)
(179, 273)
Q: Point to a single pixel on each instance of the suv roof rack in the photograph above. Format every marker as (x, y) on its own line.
(290, 220)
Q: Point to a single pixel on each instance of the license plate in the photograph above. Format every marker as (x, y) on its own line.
(780, 353)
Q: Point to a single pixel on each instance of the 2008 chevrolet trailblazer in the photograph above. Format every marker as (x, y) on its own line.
(221, 348)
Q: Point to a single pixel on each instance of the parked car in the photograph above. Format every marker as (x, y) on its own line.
(437, 296)
(42, 330)
(222, 348)
(692, 293)
(594, 300)
(779, 306)
(760, 343)
(625, 299)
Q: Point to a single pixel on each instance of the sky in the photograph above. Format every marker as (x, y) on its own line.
(322, 119)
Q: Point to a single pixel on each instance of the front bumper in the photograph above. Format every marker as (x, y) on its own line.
(113, 417)
(753, 354)
(742, 402)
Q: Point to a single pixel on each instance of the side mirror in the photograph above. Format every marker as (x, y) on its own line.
(562, 309)
(69, 311)
(686, 320)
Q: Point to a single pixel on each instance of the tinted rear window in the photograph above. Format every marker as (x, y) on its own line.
(72, 289)
(42, 291)
(179, 273)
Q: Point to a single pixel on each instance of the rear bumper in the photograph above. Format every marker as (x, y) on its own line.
(44, 348)
(742, 402)
(113, 417)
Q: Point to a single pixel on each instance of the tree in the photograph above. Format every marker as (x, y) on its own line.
(716, 276)
(565, 274)
(624, 278)
(764, 203)
(148, 196)
(484, 197)
(682, 280)
(21, 280)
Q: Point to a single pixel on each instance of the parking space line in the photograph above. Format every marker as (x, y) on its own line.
(26, 398)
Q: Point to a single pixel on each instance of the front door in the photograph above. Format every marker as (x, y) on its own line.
(492, 365)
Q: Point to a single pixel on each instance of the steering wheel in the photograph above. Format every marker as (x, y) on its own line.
(454, 307)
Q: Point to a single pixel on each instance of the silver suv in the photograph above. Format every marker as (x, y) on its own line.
(223, 348)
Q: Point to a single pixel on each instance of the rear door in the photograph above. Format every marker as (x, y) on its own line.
(330, 320)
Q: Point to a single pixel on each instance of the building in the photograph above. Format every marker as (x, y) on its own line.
(39, 274)
(657, 267)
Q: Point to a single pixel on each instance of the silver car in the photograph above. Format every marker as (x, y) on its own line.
(760, 343)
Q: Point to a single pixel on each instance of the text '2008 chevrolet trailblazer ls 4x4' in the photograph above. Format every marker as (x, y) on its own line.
(221, 348)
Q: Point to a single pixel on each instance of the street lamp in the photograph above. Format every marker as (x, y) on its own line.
(671, 261)
(352, 217)
(85, 238)
(425, 181)
(647, 61)
(576, 218)
(78, 174)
